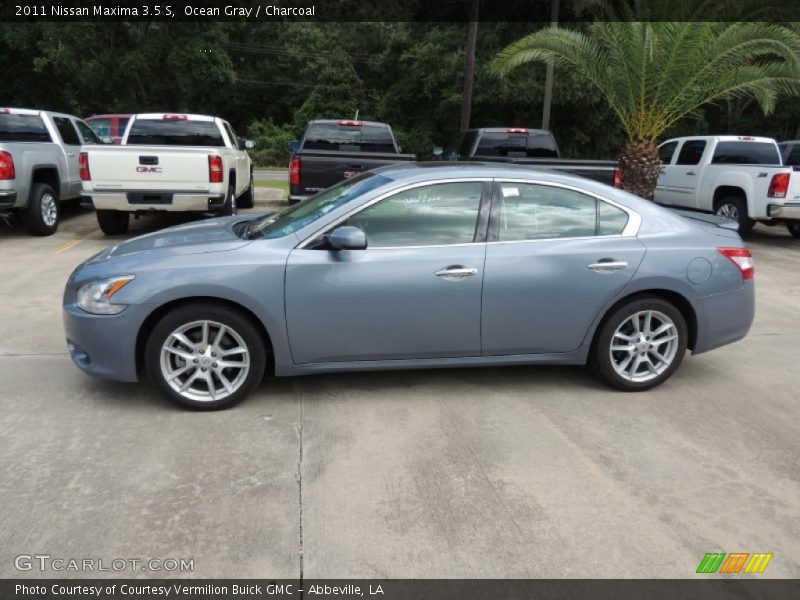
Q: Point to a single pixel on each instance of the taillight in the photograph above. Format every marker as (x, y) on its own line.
(617, 178)
(214, 168)
(83, 162)
(742, 258)
(778, 186)
(7, 166)
(294, 171)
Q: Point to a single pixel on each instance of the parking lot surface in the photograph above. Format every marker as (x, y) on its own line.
(498, 472)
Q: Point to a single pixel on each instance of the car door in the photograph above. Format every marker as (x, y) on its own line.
(555, 256)
(413, 293)
(677, 182)
(72, 147)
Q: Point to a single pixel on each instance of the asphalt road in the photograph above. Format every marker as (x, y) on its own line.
(499, 472)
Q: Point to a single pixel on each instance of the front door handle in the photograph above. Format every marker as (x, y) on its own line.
(456, 272)
(691, 173)
(611, 265)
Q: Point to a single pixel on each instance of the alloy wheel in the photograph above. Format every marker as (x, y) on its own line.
(205, 361)
(728, 211)
(644, 346)
(49, 209)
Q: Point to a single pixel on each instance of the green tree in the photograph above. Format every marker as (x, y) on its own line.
(653, 74)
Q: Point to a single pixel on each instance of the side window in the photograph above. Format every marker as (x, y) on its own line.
(537, 212)
(232, 135)
(665, 152)
(794, 156)
(101, 126)
(67, 131)
(691, 152)
(610, 219)
(431, 215)
(89, 136)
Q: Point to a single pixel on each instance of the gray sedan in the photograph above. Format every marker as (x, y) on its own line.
(408, 267)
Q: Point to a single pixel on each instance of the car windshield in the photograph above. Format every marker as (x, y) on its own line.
(316, 207)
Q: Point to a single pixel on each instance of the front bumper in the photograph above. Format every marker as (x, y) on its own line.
(177, 202)
(104, 345)
(724, 318)
(789, 212)
(8, 199)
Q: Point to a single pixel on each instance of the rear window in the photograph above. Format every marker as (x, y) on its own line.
(349, 138)
(517, 145)
(746, 153)
(153, 132)
(23, 128)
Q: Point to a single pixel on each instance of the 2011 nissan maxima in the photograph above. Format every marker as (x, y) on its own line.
(414, 266)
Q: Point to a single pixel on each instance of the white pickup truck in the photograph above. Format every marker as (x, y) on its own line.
(167, 163)
(737, 177)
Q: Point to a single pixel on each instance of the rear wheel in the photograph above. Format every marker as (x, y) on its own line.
(205, 356)
(794, 228)
(248, 199)
(113, 222)
(734, 208)
(43, 211)
(641, 345)
(229, 208)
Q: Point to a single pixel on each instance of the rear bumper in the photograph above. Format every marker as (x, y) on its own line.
(8, 199)
(724, 318)
(784, 211)
(178, 202)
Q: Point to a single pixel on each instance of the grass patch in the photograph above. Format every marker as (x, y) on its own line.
(277, 184)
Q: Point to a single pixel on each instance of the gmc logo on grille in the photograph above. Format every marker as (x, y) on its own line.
(148, 169)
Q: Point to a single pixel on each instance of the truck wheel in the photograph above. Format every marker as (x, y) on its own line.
(794, 229)
(41, 216)
(113, 222)
(229, 208)
(734, 208)
(248, 199)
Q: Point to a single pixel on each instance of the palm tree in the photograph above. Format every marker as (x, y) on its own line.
(654, 73)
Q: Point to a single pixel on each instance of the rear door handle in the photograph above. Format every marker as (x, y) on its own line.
(608, 265)
(691, 173)
(456, 272)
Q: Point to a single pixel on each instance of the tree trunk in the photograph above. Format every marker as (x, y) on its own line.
(639, 164)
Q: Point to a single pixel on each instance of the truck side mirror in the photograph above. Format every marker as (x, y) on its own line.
(249, 144)
(293, 145)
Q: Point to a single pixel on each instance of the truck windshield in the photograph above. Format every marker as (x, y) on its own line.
(158, 132)
(23, 128)
(349, 138)
(517, 145)
(746, 153)
(316, 207)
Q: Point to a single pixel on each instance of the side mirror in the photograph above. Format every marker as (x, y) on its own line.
(107, 139)
(437, 151)
(347, 238)
(249, 144)
(293, 145)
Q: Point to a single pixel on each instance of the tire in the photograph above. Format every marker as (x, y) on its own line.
(42, 215)
(735, 209)
(248, 199)
(638, 376)
(229, 208)
(794, 229)
(187, 320)
(113, 222)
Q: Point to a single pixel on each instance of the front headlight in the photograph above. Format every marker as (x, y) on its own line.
(94, 297)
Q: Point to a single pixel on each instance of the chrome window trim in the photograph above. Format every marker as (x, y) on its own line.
(390, 193)
(631, 227)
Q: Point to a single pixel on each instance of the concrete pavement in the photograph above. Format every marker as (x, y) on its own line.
(508, 472)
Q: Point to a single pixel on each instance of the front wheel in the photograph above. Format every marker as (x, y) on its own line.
(641, 345)
(734, 208)
(205, 356)
(794, 229)
(43, 212)
(113, 222)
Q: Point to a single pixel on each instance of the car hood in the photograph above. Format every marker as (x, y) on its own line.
(200, 237)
